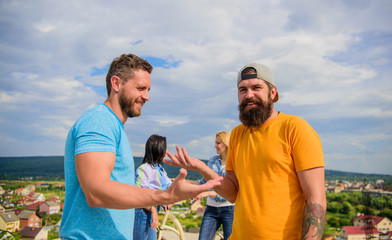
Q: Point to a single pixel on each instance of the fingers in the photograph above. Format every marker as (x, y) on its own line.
(180, 153)
(177, 160)
(183, 173)
(172, 161)
(181, 176)
(185, 153)
(211, 183)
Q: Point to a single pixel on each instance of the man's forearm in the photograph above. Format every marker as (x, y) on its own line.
(313, 221)
(227, 189)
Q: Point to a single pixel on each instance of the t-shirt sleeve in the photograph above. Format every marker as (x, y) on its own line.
(306, 146)
(96, 133)
(142, 178)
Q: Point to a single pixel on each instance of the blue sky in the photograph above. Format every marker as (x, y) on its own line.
(331, 61)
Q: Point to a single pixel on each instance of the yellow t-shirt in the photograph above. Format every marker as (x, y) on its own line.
(265, 160)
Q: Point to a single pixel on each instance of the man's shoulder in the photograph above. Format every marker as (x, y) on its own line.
(99, 114)
(295, 124)
(97, 110)
(238, 128)
(290, 119)
(97, 119)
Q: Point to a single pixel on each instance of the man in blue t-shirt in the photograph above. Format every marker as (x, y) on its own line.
(99, 166)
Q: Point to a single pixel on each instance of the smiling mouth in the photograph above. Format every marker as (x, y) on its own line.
(139, 104)
(252, 104)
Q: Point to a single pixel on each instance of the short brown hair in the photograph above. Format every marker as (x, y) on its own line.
(123, 68)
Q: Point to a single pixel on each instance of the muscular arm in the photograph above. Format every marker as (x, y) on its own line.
(94, 169)
(229, 187)
(312, 184)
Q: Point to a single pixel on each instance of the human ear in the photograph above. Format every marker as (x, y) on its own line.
(115, 80)
(274, 91)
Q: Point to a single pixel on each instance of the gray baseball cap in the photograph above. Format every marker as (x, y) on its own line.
(262, 72)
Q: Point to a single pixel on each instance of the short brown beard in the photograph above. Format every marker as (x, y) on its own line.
(256, 116)
(126, 106)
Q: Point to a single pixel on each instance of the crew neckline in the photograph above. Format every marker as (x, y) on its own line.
(110, 110)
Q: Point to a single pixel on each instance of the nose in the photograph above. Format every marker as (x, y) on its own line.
(246, 96)
(249, 94)
(146, 96)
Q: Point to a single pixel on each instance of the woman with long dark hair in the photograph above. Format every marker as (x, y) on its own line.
(150, 174)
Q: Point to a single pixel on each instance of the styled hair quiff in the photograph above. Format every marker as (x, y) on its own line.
(224, 137)
(123, 68)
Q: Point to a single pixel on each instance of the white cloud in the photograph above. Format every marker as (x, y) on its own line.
(331, 62)
(44, 27)
(169, 121)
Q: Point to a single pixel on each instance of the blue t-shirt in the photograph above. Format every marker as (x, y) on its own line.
(97, 130)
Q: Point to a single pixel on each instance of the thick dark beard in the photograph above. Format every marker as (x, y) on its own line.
(126, 106)
(256, 116)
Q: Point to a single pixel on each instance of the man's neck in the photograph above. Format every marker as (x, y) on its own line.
(116, 109)
(274, 114)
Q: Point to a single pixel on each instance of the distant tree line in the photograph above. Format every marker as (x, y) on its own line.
(342, 208)
(352, 176)
(52, 167)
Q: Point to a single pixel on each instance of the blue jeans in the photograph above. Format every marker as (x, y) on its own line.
(142, 228)
(213, 218)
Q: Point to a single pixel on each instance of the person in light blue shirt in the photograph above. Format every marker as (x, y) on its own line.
(150, 174)
(100, 194)
(219, 211)
(99, 129)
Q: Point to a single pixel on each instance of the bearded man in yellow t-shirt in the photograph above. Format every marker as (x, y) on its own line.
(274, 169)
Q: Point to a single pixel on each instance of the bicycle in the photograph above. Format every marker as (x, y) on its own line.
(177, 229)
(219, 234)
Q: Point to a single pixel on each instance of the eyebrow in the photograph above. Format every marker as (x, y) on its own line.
(253, 85)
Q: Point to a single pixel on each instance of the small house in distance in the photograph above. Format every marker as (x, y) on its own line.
(34, 233)
(29, 219)
(383, 224)
(9, 221)
(49, 207)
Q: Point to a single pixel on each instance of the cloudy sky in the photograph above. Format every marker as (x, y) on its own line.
(331, 62)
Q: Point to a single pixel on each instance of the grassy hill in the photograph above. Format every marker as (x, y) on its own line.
(53, 167)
